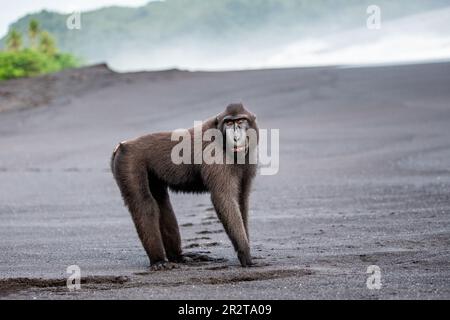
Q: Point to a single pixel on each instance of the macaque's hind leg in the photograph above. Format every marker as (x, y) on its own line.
(150, 233)
(146, 215)
(144, 209)
(169, 229)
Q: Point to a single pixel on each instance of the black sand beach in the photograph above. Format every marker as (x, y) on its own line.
(364, 180)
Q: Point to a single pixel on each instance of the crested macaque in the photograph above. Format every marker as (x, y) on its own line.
(144, 171)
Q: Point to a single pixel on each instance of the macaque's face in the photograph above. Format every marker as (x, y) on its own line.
(235, 130)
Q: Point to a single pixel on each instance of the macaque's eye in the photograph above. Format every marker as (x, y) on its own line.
(241, 121)
(229, 123)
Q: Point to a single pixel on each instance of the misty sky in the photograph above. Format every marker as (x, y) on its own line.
(10, 11)
(423, 36)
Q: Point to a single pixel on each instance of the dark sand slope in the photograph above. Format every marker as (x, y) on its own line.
(364, 179)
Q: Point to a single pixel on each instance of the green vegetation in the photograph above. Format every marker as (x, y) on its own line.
(33, 32)
(14, 41)
(40, 57)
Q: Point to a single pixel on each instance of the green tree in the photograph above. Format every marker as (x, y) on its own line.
(40, 58)
(47, 44)
(33, 31)
(13, 41)
(29, 62)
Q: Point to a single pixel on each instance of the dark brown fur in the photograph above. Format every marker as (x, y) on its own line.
(144, 172)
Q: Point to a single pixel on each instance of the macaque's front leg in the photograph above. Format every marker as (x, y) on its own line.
(229, 213)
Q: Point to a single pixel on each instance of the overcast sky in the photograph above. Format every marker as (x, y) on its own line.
(10, 11)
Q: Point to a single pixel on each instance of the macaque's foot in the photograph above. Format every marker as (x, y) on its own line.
(245, 259)
(176, 258)
(163, 265)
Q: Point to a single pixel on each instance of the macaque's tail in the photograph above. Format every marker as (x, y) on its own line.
(113, 156)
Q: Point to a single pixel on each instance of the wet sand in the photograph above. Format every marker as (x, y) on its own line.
(364, 180)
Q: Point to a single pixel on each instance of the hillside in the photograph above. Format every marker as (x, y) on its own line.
(62, 87)
(160, 29)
